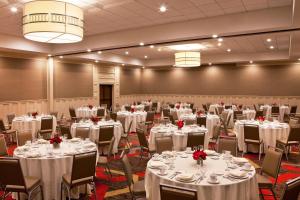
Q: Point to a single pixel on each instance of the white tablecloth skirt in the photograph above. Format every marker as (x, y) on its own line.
(135, 117)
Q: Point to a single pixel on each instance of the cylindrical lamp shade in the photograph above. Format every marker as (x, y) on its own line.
(187, 59)
(52, 22)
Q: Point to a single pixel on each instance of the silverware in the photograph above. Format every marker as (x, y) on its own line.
(173, 175)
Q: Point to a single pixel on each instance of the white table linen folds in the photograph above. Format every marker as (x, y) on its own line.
(269, 132)
(140, 107)
(49, 164)
(135, 117)
(179, 112)
(86, 112)
(250, 114)
(179, 136)
(94, 131)
(226, 189)
(29, 124)
(282, 110)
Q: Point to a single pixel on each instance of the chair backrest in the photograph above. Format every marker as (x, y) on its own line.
(291, 190)
(189, 122)
(46, 124)
(127, 169)
(23, 137)
(83, 167)
(166, 112)
(220, 109)
(172, 105)
(127, 108)
(147, 108)
(142, 138)
(293, 110)
(83, 132)
(72, 112)
(55, 114)
(191, 105)
(275, 110)
(259, 113)
(150, 116)
(293, 121)
(201, 121)
(228, 106)
(65, 130)
(255, 108)
(195, 139)
(236, 113)
(205, 107)
(174, 193)
(271, 163)
(122, 119)
(251, 132)
(294, 134)
(113, 116)
(2, 126)
(111, 146)
(154, 105)
(11, 172)
(228, 144)
(216, 131)
(3, 147)
(241, 117)
(163, 144)
(10, 118)
(100, 112)
(228, 119)
(106, 133)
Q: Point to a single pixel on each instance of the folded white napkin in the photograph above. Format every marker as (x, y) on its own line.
(239, 160)
(185, 176)
(238, 173)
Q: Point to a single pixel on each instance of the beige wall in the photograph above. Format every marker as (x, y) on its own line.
(255, 80)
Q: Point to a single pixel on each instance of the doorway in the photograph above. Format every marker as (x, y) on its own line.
(106, 95)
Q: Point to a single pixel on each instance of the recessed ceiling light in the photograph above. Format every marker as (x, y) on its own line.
(142, 44)
(145, 57)
(14, 9)
(271, 47)
(126, 52)
(269, 40)
(229, 50)
(209, 63)
(219, 44)
(214, 35)
(99, 52)
(96, 61)
(220, 39)
(61, 57)
(88, 50)
(123, 64)
(163, 8)
(143, 67)
(159, 49)
(151, 46)
(49, 55)
(299, 59)
(251, 61)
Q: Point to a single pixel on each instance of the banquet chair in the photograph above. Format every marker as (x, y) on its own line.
(293, 139)
(166, 112)
(259, 113)
(100, 112)
(73, 116)
(237, 113)
(144, 145)
(12, 179)
(83, 173)
(3, 147)
(10, 118)
(125, 135)
(147, 108)
(216, 134)
(46, 127)
(6, 132)
(275, 111)
(154, 106)
(255, 107)
(103, 160)
(127, 108)
(205, 108)
(113, 116)
(82, 132)
(270, 168)
(164, 143)
(201, 121)
(171, 105)
(228, 144)
(65, 131)
(168, 192)
(291, 189)
(106, 133)
(189, 122)
(251, 136)
(195, 139)
(135, 188)
(22, 138)
(293, 110)
(150, 118)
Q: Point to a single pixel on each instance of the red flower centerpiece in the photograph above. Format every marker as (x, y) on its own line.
(149, 100)
(222, 103)
(240, 106)
(34, 114)
(178, 106)
(261, 119)
(132, 110)
(180, 124)
(199, 156)
(134, 103)
(94, 119)
(199, 113)
(55, 141)
(90, 106)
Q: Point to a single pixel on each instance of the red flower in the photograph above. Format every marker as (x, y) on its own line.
(34, 114)
(134, 103)
(56, 139)
(90, 107)
(199, 113)
(222, 103)
(199, 154)
(178, 106)
(180, 124)
(132, 110)
(261, 118)
(94, 119)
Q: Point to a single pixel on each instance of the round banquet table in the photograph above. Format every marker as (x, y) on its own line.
(282, 110)
(250, 115)
(226, 189)
(135, 117)
(179, 136)
(94, 130)
(269, 132)
(211, 121)
(140, 107)
(41, 160)
(181, 111)
(86, 112)
(25, 123)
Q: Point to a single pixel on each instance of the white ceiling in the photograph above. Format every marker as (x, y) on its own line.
(102, 16)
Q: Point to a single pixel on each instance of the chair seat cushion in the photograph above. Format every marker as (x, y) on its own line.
(102, 160)
(67, 179)
(263, 181)
(30, 182)
(252, 141)
(139, 187)
(285, 142)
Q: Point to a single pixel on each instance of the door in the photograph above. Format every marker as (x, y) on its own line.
(106, 95)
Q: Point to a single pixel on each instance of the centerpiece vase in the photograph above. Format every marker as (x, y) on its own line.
(56, 145)
(200, 162)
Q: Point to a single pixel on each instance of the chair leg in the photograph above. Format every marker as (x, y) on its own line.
(61, 191)
(42, 192)
(94, 188)
(109, 170)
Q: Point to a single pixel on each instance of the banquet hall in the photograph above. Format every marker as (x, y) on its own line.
(150, 99)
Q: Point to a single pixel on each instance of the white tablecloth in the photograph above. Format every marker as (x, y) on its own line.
(94, 131)
(140, 107)
(179, 136)
(269, 132)
(135, 117)
(180, 111)
(50, 169)
(243, 189)
(86, 112)
(150, 104)
(250, 114)
(282, 110)
(25, 123)
(182, 105)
